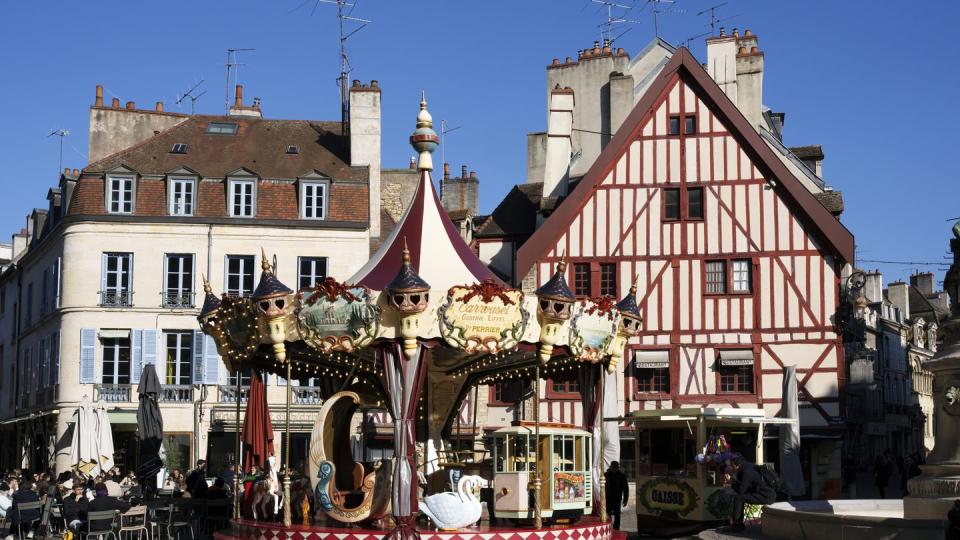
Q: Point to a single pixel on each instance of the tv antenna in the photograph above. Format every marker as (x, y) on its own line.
(444, 129)
(689, 40)
(655, 8)
(607, 27)
(59, 133)
(232, 57)
(714, 20)
(193, 97)
(345, 67)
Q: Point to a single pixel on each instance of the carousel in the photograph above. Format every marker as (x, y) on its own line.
(414, 331)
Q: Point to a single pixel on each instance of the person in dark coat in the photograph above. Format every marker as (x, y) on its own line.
(747, 486)
(882, 471)
(103, 502)
(953, 519)
(75, 506)
(197, 481)
(24, 495)
(617, 490)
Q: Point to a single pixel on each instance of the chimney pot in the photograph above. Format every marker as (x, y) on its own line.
(66, 170)
(131, 105)
(446, 171)
(555, 62)
(239, 96)
(620, 51)
(742, 50)
(747, 33)
(463, 171)
(753, 50)
(579, 54)
(99, 100)
(356, 83)
(115, 103)
(568, 60)
(76, 172)
(374, 83)
(473, 174)
(587, 53)
(736, 33)
(256, 103)
(413, 163)
(722, 33)
(159, 106)
(596, 49)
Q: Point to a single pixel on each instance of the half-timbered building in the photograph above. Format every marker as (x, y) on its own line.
(736, 257)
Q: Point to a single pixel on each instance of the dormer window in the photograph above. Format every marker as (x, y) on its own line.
(181, 200)
(241, 200)
(120, 194)
(313, 199)
(293, 149)
(179, 148)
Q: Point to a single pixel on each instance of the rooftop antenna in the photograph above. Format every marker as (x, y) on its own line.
(345, 67)
(607, 27)
(689, 40)
(444, 129)
(59, 133)
(232, 58)
(190, 94)
(714, 20)
(655, 8)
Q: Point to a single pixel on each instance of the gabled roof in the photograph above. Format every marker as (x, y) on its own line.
(516, 215)
(826, 228)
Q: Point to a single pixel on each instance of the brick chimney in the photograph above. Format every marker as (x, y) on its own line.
(239, 109)
(116, 128)
(98, 100)
(461, 193)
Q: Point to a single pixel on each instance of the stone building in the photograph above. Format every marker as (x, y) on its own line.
(107, 278)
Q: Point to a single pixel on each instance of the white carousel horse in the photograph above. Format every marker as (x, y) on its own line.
(456, 510)
(267, 491)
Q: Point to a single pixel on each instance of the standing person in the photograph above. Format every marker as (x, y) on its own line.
(882, 469)
(197, 481)
(227, 476)
(746, 486)
(617, 489)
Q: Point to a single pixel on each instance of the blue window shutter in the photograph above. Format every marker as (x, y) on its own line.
(198, 372)
(136, 355)
(57, 286)
(103, 274)
(88, 355)
(55, 356)
(211, 361)
(148, 352)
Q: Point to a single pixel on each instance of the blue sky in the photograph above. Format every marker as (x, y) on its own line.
(871, 81)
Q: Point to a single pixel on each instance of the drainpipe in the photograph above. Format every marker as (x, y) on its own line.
(198, 405)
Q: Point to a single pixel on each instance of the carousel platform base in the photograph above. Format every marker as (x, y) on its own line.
(585, 529)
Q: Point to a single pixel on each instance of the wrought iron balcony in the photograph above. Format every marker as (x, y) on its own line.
(116, 298)
(114, 393)
(307, 395)
(178, 299)
(228, 393)
(177, 394)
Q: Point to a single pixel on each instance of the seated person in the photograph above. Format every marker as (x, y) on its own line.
(747, 486)
(18, 519)
(103, 502)
(75, 506)
(5, 501)
(218, 490)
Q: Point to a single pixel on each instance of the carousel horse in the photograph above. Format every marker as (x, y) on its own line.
(451, 511)
(344, 490)
(267, 491)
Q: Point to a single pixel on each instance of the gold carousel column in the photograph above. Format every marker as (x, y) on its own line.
(237, 463)
(603, 479)
(537, 482)
(286, 455)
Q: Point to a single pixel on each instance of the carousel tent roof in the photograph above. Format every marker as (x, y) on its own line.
(437, 252)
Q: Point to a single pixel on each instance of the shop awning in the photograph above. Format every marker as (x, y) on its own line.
(30, 416)
(651, 359)
(114, 333)
(742, 357)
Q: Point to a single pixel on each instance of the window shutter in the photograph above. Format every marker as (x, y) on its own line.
(56, 284)
(88, 355)
(103, 273)
(130, 278)
(55, 358)
(136, 355)
(211, 361)
(197, 351)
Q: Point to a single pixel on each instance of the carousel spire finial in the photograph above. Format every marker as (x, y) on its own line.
(207, 289)
(562, 264)
(406, 253)
(264, 262)
(424, 140)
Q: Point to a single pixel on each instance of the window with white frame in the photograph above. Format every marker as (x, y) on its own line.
(181, 196)
(115, 352)
(239, 274)
(241, 199)
(120, 194)
(116, 279)
(178, 280)
(741, 276)
(312, 270)
(313, 200)
(179, 355)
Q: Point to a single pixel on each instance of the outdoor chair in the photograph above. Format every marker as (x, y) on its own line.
(172, 520)
(24, 508)
(218, 514)
(56, 524)
(133, 521)
(101, 524)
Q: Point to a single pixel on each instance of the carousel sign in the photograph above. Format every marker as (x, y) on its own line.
(484, 317)
(334, 317)
(593, 327)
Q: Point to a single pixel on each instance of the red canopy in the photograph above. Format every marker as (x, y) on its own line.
(257, 428)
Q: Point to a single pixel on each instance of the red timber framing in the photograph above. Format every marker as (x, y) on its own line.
(753, 209)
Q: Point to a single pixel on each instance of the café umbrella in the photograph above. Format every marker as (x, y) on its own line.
(91, 449)
(790, 468)
(257, 428)
(149, 426)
